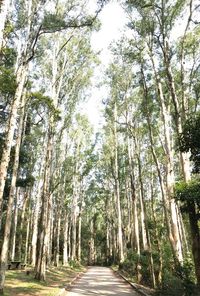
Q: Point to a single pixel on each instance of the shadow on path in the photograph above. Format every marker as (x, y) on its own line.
(101, 281)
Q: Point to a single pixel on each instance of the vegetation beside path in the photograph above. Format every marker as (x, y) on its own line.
(18, 283)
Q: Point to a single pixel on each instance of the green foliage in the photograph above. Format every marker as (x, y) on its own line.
(189, 140)
(7, 57)
(7, 82)
(188, 192)
(74, 264)
(188, 277)
(171, 286)
(37, 99)
(129, 264)
(179, 283)
(53, 22)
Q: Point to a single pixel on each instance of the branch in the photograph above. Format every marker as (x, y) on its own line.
(66, 42)
(73, 24)
(34, 45)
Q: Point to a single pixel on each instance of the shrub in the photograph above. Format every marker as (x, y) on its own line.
(179, 283)
(75, 264)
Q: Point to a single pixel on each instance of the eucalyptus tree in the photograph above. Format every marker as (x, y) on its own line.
(68, 76)
(81, 135)
(158, 75)
(154, 27)
(187, 193)
(30, 25)
(114, 159)
(164, 17)
(34, 20)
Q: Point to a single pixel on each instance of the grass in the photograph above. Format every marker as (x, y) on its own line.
(18, 283)
(115, 267)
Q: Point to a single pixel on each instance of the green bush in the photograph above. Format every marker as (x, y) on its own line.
(129, 264)
(75, 264)
(179, 283)
(171, 286)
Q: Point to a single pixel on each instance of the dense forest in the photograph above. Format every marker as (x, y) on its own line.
(128, 195)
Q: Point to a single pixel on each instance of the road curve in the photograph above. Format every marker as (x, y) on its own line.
(101, 281)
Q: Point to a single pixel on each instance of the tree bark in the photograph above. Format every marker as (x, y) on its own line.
(66, 240)
(35, 221)
(57, 237)
(41, 257)
(146, 239)
(4, 163)
(91, 244)
(13, 240)
(195, 233)
(174, 229)
(117, 191)
(26, 255)
(158, 241)
(4, 5)
(21, 227)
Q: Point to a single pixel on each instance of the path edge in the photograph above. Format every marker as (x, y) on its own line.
(140, 291)
(68, 287)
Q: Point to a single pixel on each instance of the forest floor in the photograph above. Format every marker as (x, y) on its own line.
(18, 283)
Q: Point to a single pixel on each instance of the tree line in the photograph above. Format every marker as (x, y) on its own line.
(128, 195)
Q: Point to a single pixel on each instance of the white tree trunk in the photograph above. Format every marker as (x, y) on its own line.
(35, 223)
(13, 245)
(4, 5)
(117, 192)
(66, 242)
(27, 236)
(176, 242)
(4, 163)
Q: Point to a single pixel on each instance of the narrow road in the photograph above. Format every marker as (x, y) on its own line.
(101, 281)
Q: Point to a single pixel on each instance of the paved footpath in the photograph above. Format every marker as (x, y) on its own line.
(101, 281)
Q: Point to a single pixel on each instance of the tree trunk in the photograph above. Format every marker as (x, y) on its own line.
(91, 244)
(178, 112)
(142, 221)
(158, 242)
(73, 231)
(13, 240)
(4, 5)
(41, 257)
(136, 230)
(79, 238)
(146, 239)
(193, 219)
(21, 77)
(26, 257)
(4, 165)
(66, 242)
(21, 227)
(69, 239)
(117, 192)
(35, 225)
(57, 237)
(50, 229)
(79, 229)
(74, 209)
(174, 229)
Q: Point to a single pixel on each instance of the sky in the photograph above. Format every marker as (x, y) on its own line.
(112, 19)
